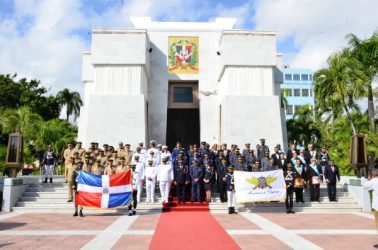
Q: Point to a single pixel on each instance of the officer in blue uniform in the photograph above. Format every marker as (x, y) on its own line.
(196, 175)
(181, 179)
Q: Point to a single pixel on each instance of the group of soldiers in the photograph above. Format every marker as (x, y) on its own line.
(202, 169)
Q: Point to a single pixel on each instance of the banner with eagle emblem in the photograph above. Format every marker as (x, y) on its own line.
(259, 186)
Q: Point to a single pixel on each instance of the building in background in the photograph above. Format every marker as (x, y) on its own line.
(182, 81)
(298, 86)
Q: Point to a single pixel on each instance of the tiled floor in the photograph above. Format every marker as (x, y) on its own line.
(262, 231)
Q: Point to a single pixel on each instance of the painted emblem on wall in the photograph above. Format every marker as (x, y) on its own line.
(183, 55)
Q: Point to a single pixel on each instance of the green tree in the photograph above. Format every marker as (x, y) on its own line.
(338, 86)
(23, 120)
(365, 51)
(16, 94)
(304, 127)
(71, 100)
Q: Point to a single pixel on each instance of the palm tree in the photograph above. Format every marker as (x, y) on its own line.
(22, 120)
(71, 100)
(366, 53)
(338, 86)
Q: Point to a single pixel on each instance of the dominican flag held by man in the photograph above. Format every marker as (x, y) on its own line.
(104, 191)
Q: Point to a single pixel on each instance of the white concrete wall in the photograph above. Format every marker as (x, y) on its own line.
(248, 48)
(249, 118)
(209, 63)
(119, 47)
(13, 190)
(115, 118)
(238, 80)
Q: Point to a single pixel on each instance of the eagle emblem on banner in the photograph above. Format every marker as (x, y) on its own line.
(261, 182)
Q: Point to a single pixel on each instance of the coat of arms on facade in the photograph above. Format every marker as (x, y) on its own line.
(261, 182)
(183, 55)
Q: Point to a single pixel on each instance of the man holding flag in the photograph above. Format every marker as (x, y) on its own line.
(103, 191)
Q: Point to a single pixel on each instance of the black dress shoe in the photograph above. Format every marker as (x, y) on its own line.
(75, 214)
(134, 212)
(81, 214)
(70, 200)
(292, 212)
(288, 212)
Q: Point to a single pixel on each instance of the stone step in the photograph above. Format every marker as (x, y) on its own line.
(296, 209)
(141, 210)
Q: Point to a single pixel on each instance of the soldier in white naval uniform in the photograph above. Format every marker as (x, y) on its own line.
(165, 178)
(140, 169)
(150, 173)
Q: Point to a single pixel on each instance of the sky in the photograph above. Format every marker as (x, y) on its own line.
(44, 39)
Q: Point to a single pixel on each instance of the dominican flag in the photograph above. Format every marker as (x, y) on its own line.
(104, 191)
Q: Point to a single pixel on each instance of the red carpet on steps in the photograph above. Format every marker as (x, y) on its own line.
(190, 226)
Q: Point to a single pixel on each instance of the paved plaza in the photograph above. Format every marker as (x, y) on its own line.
(249, 230)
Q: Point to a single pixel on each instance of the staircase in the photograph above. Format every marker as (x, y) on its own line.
(345, 203)
(53, 198)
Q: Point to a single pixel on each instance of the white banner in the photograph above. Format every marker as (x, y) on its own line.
(259, 186)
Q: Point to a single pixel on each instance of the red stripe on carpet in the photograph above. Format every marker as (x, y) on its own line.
(190, 227)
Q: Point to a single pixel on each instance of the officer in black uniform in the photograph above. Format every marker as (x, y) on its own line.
(221, 178)
(181, 179)
(289, 176)
(74, 180)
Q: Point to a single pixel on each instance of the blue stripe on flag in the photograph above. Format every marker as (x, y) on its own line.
(122, 199)
(90, 179)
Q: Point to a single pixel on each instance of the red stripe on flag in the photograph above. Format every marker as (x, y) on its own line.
(120, 179)
(88, 199)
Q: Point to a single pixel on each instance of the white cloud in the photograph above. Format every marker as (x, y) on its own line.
(45, 47)
(318, 28)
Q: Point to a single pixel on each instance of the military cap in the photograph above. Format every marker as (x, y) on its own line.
(203, 143)
(127, 145)
(120, 143)
(138, 147)
(152, 142)
(165, 147)
(262, 139)
(248, 144)
(79, 142)
(159, 145)
(132, 165)
(105, 145)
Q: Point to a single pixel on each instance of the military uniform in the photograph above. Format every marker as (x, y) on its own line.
(49, 162)
(74, 184)
(221, 178)
(140, 169)
(196, 174)
(150, 173)
(71, 168)
(165, 178)
(208, 181)
(67, 154)
(289, 176)
(181, 178)
(134, 202)
(262, 149)
(230, 190)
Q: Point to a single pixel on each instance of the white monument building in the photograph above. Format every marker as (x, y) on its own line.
(187, 81)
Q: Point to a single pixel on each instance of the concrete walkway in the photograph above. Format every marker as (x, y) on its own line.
(249, 230)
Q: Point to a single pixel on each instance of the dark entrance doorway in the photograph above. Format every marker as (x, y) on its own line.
(183, 122)
(183, 125)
